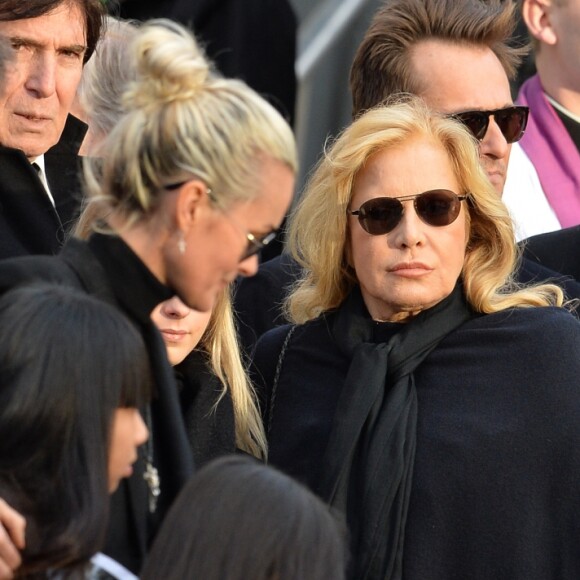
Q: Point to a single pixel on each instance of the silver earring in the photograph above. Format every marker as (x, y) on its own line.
(181, 244)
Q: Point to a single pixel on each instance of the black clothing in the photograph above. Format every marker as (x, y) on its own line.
(254, 40)
(210, 428)
(572, 126)
(258, 299)
(494, 489)
(559, 250)
(29, 223)
(107, 268)
(63, 172)
(368, 465)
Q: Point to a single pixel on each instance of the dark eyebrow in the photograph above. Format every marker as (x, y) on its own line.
(78, 48)
(25, 41)
(481, 109)
(31, 42)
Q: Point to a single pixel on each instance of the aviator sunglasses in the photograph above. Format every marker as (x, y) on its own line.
(254, 244)
(381, 215)
(511, 121)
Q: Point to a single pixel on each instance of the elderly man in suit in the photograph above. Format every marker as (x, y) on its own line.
(39, 140)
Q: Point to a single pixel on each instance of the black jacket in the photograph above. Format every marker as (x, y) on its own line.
(559, 250)
(29, 223)
(105, 267)
(210, 425)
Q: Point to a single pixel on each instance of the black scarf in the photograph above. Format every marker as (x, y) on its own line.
(368, 464)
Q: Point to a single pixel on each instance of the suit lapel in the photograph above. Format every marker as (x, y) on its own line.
(26, 209)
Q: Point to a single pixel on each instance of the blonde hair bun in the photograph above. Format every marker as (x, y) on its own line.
(171, 66)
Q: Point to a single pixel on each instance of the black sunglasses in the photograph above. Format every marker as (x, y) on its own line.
(511, 121)
(381, 215)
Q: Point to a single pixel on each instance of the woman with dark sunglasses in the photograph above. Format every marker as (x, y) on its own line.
(192, 181)
(421, 391)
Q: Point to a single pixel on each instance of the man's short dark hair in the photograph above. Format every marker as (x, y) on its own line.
(382, 64)
(92, 9)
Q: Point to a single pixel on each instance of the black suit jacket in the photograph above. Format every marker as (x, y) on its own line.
(558, 250)
(29, 223)
(80, 265)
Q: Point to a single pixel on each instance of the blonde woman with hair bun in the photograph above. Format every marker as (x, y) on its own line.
(422, 391)
(217, 399)
(193, 180)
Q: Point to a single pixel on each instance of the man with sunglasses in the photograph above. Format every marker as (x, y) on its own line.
(553, 139)
(553, 94)
(457, 57)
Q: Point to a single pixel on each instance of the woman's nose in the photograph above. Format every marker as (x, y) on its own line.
(410, 230)
(249, 266)
(141, 431)
(175, 308)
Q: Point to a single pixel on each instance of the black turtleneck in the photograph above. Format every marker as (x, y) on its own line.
(135, 287)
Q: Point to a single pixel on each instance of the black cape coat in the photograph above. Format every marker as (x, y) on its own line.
(497, 466)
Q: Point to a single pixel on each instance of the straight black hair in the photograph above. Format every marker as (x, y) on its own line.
(67, 362)
(238, 519)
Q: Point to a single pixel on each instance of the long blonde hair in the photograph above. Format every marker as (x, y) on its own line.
(220, 342)
(318, 231)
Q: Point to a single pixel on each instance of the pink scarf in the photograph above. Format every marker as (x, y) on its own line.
(553, 153)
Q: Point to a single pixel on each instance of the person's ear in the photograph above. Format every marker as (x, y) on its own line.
(536, 15)
(191, 196)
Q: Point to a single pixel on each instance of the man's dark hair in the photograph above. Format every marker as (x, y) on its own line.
(382, 64)
(92, 9)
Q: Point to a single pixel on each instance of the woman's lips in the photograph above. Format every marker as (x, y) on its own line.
(410, 269)
(170, 335)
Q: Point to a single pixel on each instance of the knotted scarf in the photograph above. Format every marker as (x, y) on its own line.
(368, 465)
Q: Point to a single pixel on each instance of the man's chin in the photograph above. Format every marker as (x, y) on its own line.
(32, 144)
(498, 182)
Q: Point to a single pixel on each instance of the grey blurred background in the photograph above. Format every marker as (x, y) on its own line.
(329, 32)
